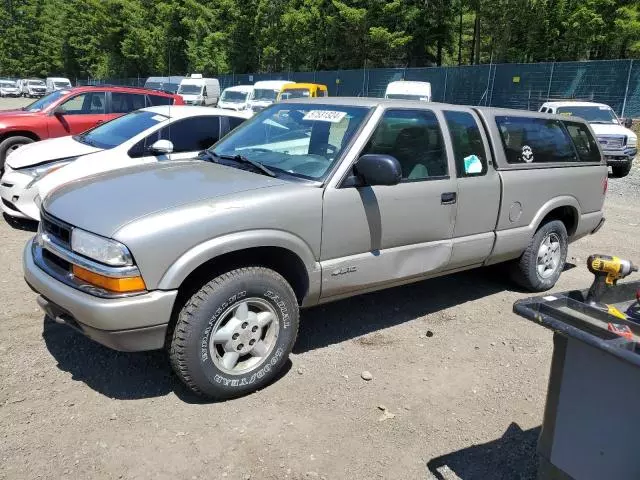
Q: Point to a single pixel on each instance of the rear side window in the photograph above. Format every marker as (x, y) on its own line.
(159, 100)
(468, 148)
(535, 140)
(584, 142)
(126, 102)
(192, 134)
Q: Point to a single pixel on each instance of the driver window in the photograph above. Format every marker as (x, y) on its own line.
(414, 138)
(91, 103)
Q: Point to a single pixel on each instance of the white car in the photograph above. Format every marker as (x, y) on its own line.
(619, 143)
(147, 135)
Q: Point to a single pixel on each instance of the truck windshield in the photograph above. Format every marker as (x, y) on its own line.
(113, 133)
(265, 94)
(234, 97)
(407, 96)
(62, 84)
(36, 83)
(7, 84)
(45, 101)
(301, 140)
(295, 93)
(590, 114)
(187, 89)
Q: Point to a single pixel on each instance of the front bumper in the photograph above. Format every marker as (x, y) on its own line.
(619, 157)
(135, 323)
(15, 198)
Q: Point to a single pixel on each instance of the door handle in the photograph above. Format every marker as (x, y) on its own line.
(448, 198)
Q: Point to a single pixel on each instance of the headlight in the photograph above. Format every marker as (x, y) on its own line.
(632, 141)
(39, 172)
(100, 249)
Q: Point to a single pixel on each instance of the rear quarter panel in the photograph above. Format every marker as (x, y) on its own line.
(531, 191)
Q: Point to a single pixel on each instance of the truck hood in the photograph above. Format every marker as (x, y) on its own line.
(16, 113)
(610, 129)
(46, 151)
(104, 203)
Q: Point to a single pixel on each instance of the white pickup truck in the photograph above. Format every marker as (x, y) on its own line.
(620, 145)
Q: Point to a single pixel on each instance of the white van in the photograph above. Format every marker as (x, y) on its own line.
(166, 84)
(57, 83)
(236, 98)
(265, 93)
(404, 90)
(196, 90)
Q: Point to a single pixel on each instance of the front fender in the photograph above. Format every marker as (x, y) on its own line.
(198, 255)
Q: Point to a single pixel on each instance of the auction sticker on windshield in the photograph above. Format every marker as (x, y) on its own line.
(325, 116)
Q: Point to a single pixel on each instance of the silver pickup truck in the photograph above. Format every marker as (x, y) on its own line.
(308, 202)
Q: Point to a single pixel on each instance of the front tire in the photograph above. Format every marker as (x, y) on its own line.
(234, 335)
(620, 171)
(540, 266)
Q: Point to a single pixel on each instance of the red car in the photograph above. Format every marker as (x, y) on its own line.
(72, 111)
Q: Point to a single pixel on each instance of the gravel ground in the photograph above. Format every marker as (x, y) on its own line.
(462, 381)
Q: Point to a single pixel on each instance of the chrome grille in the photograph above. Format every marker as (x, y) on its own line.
(611, 143)
(59, 231)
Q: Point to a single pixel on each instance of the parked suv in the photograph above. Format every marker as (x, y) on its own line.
(72, 111)
(619, 143)
(308, 202)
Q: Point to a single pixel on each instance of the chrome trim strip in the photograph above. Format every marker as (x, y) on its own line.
(95, 267)
(68, 278)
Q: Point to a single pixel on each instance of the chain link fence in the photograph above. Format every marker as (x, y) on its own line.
(521, 86)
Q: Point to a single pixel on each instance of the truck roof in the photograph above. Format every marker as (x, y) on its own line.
(569, 103)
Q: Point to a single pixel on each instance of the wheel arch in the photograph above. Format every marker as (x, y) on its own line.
(565, 208)
(19, 133)
(284, 253)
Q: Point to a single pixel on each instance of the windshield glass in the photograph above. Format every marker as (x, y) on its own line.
(187, 89)
(406, 96)
(590, 114)
(113, 133)
(234, 97)
(303, 140)
(7, 84)
(36, 83)
(295, 93)
(62, 84)
(265, 94)
(45, 101)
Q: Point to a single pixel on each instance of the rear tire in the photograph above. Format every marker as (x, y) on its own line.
(234, 335)
(10, 144)
(541, 264)
(620, 171)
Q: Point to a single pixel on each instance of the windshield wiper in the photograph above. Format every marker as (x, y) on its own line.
(242, 159)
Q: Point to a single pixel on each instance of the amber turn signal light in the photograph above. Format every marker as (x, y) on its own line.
(118, 285)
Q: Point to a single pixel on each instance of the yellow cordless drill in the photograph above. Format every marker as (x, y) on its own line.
(607, 270)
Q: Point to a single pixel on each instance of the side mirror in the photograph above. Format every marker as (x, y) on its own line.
(627, 122)
(376, 169)
(161, 147)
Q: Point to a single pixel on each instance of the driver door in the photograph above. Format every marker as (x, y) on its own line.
(81, 112)
(376, 236)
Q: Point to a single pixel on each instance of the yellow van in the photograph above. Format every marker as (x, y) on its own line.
(303, 90)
